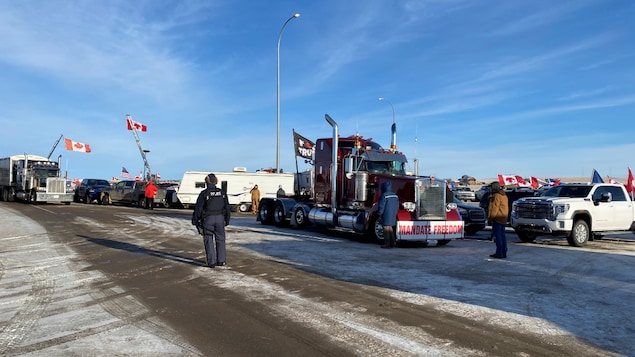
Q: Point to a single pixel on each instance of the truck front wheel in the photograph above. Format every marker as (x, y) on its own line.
(299, 218)
(375, 231)
(526, 237)
(579, 234)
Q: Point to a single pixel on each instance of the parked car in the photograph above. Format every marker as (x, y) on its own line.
(465, 193)
(481, 192)
(474, 218)
(132, 193)
(91, 190)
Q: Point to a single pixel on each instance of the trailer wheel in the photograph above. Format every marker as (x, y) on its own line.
(299, 218)
(579, 235)
(242, 207)
(265, 214)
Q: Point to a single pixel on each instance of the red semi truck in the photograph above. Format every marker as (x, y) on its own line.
(344, 190)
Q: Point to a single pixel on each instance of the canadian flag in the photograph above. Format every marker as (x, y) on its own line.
(536, 182)
(630, 184)
(76, 146)
(136, 125)
(507, 180)
(521, 181)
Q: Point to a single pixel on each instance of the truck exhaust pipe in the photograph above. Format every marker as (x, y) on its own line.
(333, 124)
(393, 143)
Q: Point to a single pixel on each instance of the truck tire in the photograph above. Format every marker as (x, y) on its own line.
(87, 198)
(279, 217)
(265, 212)
(580, 233)
(141, 202)
(76, 197)
(375, 232)
(525, 236)
(443, 242)
(299, 218)
(105, 200)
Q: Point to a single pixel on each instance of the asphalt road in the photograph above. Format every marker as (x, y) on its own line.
(111, 280)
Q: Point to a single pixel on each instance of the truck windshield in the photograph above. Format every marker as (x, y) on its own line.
(568, 191)
(44, 173)
(386, 167)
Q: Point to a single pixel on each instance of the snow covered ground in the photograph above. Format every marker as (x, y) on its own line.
(553, 290)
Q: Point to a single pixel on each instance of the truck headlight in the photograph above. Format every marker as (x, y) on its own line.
(559, 209)
(450, 206)
(409, 206)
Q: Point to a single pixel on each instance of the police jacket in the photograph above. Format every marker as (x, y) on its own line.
(388, 205)
(211, 201)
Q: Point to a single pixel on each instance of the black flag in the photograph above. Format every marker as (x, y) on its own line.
(303, 146)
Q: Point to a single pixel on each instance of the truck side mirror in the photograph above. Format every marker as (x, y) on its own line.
(348, 165)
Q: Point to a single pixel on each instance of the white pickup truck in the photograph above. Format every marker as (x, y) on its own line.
(581, 212)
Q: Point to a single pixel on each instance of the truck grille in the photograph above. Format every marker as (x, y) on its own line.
(477, 215)
(55, 185)
(533, 210)
(430, 199)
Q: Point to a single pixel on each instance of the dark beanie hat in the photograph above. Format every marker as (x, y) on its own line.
(496, 186)
(211, 179)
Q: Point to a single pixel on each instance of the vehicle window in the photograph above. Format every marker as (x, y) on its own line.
(199, 184)
(617, 194)
(129, 184)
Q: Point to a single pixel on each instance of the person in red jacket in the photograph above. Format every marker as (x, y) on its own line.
(150, 193)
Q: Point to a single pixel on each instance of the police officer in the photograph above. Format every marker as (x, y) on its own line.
(212, 213)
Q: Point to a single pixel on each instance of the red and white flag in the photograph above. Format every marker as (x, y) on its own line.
(158, 176)
(521, 181)
(630, 184)
(614, 181)
(507, 180)
(136, 125)
(537, 183)
(76, 146)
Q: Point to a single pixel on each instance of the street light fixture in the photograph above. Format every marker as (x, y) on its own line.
(278, 95)
(392, 106)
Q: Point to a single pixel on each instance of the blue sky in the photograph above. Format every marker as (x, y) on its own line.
(535, 88)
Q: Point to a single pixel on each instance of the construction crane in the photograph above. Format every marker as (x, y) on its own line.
(136, 136)
(54, 146)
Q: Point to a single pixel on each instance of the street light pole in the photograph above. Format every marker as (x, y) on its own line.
(392, 106)
(393, 144)
(278, 95)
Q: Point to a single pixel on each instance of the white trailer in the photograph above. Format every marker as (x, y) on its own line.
(237, 184)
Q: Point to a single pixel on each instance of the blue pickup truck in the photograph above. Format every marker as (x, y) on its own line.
(90, 190)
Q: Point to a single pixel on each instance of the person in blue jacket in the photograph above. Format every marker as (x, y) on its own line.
(387, 210)
(212, 213)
